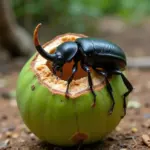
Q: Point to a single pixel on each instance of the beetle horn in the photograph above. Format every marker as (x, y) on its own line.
(39, 48)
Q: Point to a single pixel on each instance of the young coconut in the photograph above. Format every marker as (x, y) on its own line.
(51, 116)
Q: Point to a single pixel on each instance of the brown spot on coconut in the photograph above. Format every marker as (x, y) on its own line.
(54, 118)
(79, 137)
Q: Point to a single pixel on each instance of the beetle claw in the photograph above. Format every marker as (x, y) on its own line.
(61, 74)
(67, 96)
(110, 112)
(124, 113)
(93, 104)
(53, 70)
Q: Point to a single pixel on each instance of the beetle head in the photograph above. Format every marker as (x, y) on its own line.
(65, 52)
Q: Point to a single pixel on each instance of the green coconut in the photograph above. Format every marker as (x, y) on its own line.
(61, 121)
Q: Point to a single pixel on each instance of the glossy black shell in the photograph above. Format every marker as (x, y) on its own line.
(101, 53)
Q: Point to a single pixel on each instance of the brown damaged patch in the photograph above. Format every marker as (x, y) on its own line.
(33, 87)
(41, 68)
(79, 137)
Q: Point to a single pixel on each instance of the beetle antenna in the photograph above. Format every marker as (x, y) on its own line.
(39, 48)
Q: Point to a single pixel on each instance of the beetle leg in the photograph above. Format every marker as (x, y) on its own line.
(61, 73)
(80, 145)
(54, 70)
(86, 69)
(109, 88)
(128, 85)
(74, 70)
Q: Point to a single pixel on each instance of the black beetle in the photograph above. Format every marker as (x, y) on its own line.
(90, 52)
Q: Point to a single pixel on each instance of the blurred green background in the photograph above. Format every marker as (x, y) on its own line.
(124, 22)
(77, 15)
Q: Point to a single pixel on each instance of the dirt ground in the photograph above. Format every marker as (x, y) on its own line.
(128, 135)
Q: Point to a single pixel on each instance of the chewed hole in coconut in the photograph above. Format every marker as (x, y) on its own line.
(57, 84)
(67, 71)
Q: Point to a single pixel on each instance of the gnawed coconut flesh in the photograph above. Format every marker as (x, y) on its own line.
(55, 83)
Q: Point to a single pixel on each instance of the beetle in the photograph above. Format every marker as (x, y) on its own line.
(90, 52)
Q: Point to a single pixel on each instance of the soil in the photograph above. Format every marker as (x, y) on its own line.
(14, 135)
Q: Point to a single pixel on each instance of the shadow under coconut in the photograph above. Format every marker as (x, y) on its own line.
(100, 145)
